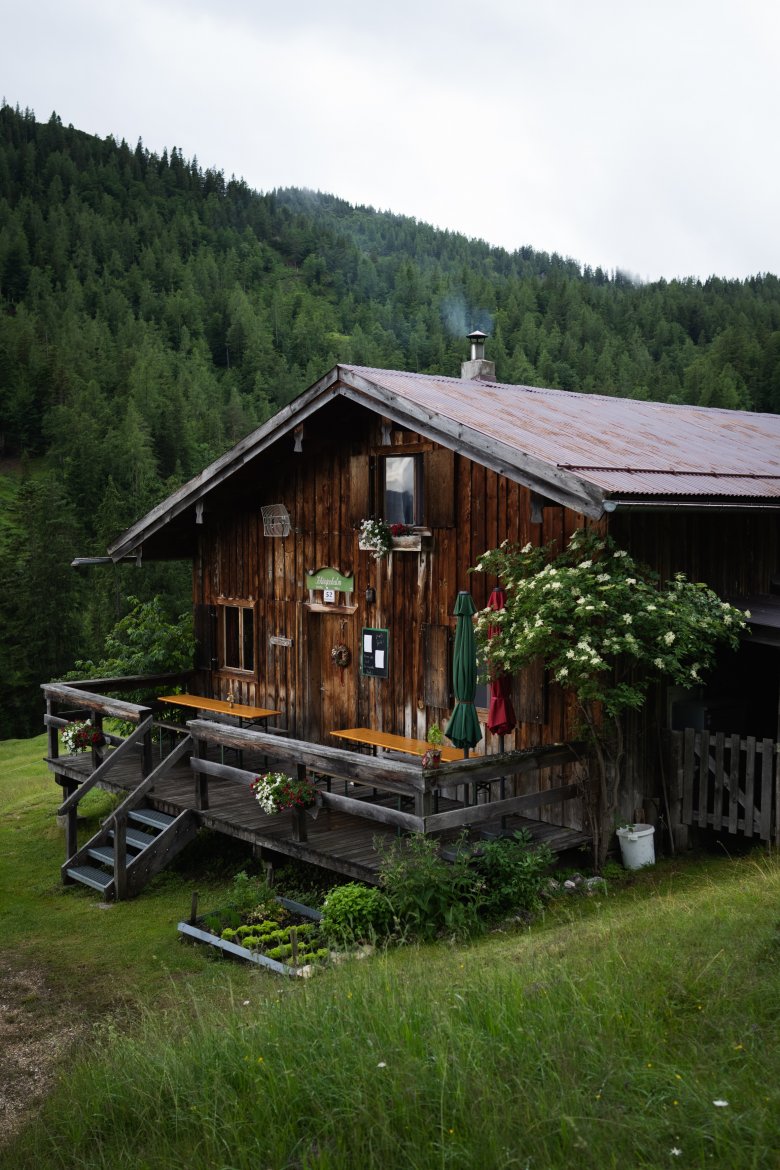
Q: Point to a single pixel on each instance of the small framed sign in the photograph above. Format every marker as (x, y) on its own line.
(374, 653)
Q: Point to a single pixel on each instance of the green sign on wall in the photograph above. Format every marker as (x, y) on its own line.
(327, 578)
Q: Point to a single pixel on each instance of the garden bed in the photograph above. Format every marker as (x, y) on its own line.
(287, 942)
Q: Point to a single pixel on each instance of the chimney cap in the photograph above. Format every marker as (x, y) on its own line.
(478, 367)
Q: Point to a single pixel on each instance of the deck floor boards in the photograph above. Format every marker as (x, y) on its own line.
(337, 841)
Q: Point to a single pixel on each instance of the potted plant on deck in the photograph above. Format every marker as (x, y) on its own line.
(435, 737)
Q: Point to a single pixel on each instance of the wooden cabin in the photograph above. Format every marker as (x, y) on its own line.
(280, 579)
(297, 621)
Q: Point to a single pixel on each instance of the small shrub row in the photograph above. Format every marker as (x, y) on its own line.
(423, 896)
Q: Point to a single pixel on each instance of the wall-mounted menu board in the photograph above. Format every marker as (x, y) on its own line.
(374, 656)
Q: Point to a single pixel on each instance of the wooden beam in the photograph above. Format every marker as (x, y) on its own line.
(117, 708)
(484, 769)
(389, 775)
(476, 814)
(373, 812)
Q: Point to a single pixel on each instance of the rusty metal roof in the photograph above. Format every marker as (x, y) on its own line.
(624, 447)
(586, 451)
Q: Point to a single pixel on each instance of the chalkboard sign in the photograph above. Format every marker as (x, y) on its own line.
(374, 657)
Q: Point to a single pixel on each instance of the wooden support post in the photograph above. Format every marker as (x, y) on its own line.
(423, 803)
(147, 764)
(300, 828)
(201, 779)
(97, 752)
(194, 908)
(71, 832)
(53, 737)
(120, 858)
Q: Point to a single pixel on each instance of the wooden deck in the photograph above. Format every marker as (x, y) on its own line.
(337, 840)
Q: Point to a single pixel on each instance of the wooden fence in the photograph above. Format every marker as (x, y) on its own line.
(727, 782)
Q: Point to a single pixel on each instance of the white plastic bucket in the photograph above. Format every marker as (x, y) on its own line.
(637, 847)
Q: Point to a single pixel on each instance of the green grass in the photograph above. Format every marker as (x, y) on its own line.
(600, 1038)
(99, 958)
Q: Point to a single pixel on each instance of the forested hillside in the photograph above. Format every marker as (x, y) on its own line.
(152, 313)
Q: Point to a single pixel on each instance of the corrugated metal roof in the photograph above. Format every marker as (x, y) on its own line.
(622, 446)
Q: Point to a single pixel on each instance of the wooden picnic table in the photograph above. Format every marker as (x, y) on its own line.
(244, 712)
(395, 743)
(241, 712)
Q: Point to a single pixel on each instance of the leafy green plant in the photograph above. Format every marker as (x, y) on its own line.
(435, 736)
(428, 895)
(514, 873)
(355, 913)
(252, 895)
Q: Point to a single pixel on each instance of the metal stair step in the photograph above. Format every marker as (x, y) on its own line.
(88, 875)
(150, 816)
(136, 838)
(105, 853)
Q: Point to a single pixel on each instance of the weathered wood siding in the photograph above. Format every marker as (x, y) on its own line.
(328, 488)
(734, 553)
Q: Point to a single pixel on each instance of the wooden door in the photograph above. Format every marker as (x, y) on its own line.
(332, 690)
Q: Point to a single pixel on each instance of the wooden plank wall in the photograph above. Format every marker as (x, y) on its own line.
(327, 489)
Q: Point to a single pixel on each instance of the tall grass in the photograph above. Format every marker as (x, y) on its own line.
(596, 1040)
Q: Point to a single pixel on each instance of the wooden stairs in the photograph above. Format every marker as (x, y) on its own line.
(136, 841)
(151, 840)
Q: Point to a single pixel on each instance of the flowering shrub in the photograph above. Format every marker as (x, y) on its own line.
(276, 791)
(377, 536)
(606, 630)
(400, 529)
(78, 737)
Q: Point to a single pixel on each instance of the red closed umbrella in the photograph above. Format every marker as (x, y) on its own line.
(501, 714)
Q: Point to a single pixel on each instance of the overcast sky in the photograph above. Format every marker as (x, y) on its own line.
(639, 135)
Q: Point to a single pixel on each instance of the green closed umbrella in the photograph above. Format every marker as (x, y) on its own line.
(463, 728)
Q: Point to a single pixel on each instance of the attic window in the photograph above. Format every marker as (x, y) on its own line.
(238, 637)
(402, 489)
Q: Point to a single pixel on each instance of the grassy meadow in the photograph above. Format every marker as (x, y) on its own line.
(632, 1029)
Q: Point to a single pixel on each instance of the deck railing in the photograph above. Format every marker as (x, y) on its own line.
(405, 780)
(94, 705)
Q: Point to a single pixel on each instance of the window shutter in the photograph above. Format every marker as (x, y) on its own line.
(436, 656)
(205, 623)
(439, 488)
(359, 501)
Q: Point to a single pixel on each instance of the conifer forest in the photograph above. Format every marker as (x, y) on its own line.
(152, 313)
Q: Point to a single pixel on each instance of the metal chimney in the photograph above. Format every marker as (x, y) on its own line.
(478, 368)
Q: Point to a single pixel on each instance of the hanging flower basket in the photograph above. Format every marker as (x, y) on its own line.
(276, 791)
(80, 737)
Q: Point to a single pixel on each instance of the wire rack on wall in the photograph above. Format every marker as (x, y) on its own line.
(276, 520)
